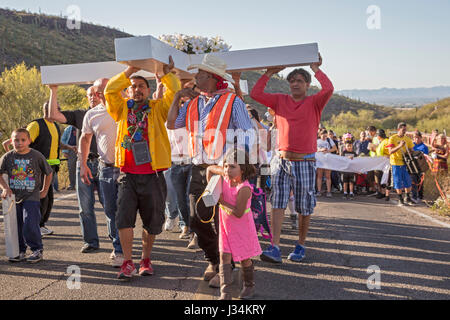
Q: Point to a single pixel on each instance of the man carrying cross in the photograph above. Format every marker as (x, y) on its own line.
(208, 117)
(142, 153)
(295, 168)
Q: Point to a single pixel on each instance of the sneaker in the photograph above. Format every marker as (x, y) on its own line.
(380, 195)
(409, 202)
(118, 260)
(372, 193)
(170, 224)
(194, 242)
(185, 233)
(45, 231)
(329, 195)
(87, 248)
(401, 202)
(387, 198)
(271, 254)
(298, 254)
(19, 258)
(36, 256)
(145, 267)
(352, 196)
(127, 270)
(345, 196)
(318, 194)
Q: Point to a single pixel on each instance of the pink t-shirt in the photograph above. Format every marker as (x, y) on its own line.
(297, 121)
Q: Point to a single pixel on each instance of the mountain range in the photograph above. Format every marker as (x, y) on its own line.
(408, 97)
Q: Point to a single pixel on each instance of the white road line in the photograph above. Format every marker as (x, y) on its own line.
(446, 225)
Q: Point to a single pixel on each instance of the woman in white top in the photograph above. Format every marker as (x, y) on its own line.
(325, 145)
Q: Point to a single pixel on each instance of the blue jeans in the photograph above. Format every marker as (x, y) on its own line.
(109, 189)
(177, 202)
(86, 201)
(28, 218)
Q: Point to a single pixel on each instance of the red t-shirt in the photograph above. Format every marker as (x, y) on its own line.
(297, 121)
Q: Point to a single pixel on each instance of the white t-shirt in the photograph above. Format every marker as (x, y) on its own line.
(97, 121)
(179, 144)
(325, 144)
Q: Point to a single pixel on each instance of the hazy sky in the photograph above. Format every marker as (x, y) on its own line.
(411, 47)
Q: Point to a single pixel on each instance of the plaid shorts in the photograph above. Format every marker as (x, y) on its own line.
(299, 176)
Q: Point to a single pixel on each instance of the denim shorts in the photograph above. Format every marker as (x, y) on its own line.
(299, 176)
(401, 177)
(146, 193)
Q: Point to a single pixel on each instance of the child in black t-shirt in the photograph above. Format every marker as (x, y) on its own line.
(29, 177)
(348, 178)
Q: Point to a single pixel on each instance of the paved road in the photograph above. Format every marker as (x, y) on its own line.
(411, 251)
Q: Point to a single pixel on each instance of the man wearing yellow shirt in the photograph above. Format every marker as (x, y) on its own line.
(142, 153)
(397, 146)
(45, 138)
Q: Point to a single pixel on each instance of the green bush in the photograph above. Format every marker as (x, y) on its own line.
(22, 96)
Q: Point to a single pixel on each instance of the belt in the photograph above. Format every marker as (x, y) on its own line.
(294, 156)
(203, 165)
(181, 163)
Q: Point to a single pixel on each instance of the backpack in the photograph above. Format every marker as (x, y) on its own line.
(258, 207)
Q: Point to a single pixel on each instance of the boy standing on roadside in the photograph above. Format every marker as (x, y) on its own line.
(27, 170)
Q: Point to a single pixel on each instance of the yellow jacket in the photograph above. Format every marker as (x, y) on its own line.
(116, 105)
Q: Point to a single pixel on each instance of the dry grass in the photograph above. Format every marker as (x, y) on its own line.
(432, 193)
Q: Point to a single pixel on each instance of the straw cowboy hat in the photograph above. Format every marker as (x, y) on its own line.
(213, 64)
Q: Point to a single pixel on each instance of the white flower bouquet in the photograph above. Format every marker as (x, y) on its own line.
(195, 44)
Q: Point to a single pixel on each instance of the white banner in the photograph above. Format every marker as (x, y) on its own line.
(356, 165)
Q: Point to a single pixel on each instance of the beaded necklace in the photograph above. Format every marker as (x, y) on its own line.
(137, 122)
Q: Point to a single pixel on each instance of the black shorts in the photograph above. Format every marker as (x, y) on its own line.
(348, 177)
(146, 193)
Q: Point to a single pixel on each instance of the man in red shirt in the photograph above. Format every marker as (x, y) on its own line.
(295, 167)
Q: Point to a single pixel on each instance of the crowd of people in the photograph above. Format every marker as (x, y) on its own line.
(376, 143)
(155, 155)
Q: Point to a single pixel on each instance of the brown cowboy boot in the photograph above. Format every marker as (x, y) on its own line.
(210, 272)
(249, 284)
(226, 279)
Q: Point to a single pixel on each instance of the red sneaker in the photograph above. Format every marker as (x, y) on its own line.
(127, 270)
(145, 268)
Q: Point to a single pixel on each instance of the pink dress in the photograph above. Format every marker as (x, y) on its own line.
(237, 235)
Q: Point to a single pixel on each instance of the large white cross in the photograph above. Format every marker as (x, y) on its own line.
(149, 54)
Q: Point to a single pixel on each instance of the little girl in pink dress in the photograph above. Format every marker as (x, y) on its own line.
(238, 239)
